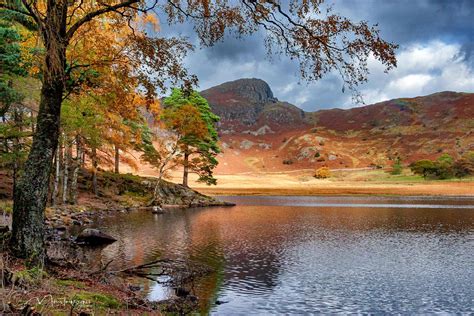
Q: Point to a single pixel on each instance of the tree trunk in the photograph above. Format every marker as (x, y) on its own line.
(32, 122)
(57, 176)
(75, 173)
(16, 145)
(94, 171)
(117, 159)
(67, 160)
(31, 190)
(186, 168)
(83, 159)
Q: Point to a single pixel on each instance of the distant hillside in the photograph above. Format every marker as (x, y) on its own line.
(261, 133)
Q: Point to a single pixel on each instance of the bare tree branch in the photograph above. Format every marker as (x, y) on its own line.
(88, 17)
(33, 13)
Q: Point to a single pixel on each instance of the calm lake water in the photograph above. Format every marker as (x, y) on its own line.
(313, 254)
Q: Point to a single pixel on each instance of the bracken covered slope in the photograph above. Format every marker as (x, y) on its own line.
(260, 133)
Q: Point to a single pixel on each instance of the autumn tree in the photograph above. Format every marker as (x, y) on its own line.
(189, 115)
(107, 47)
(160, 148)
(102, 106)
(320, 40)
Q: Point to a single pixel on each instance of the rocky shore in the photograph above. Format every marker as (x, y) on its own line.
(68, 285)
(118, 193)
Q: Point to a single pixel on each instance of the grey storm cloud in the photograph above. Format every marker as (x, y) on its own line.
(438, 34)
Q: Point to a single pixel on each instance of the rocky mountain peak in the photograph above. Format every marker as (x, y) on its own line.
(245, 102)
(250, 89)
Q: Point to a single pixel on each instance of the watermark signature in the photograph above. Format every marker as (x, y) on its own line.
(49, 300)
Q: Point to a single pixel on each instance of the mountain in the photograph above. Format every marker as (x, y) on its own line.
(260, 133)
(246, 103)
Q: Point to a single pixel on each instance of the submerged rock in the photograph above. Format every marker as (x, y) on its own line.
(157, 210)
(93, 236)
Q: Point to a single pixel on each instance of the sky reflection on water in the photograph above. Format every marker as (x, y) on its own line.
(300, 255)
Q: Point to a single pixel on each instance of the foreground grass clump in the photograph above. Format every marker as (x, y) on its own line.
(95, 300)
(29, 277)
(58, 291)
(71, 283)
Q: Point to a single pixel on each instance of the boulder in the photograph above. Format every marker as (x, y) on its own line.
(157, 210)
(93, 236)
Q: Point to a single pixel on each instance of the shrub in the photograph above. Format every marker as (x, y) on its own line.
(424, 167)
(445, 167)
(397, 167)
(322, 173)
(464, 166)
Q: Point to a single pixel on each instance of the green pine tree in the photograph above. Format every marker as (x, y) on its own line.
(197, 129)
(10, 61)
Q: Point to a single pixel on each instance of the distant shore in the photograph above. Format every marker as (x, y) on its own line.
(401, 190)
(362, 183)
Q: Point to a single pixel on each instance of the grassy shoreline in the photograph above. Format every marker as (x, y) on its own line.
(368, 182)
(331, 192)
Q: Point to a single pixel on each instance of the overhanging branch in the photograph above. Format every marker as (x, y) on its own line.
(88, 17)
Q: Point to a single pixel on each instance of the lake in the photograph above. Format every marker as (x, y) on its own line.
(295, 255)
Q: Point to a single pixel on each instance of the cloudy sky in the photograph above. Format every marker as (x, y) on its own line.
(436, 53)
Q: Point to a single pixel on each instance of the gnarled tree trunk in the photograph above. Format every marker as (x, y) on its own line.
(31, 190)
(95, 166)
(57, 176)
(117, 159)
(67, 160)
(75, 172)
(186, 168)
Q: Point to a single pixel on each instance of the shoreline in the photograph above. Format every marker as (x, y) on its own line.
(452, 189)
(351, 183)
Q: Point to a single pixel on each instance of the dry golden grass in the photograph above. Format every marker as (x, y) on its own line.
(342, 182)
(351, 182)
